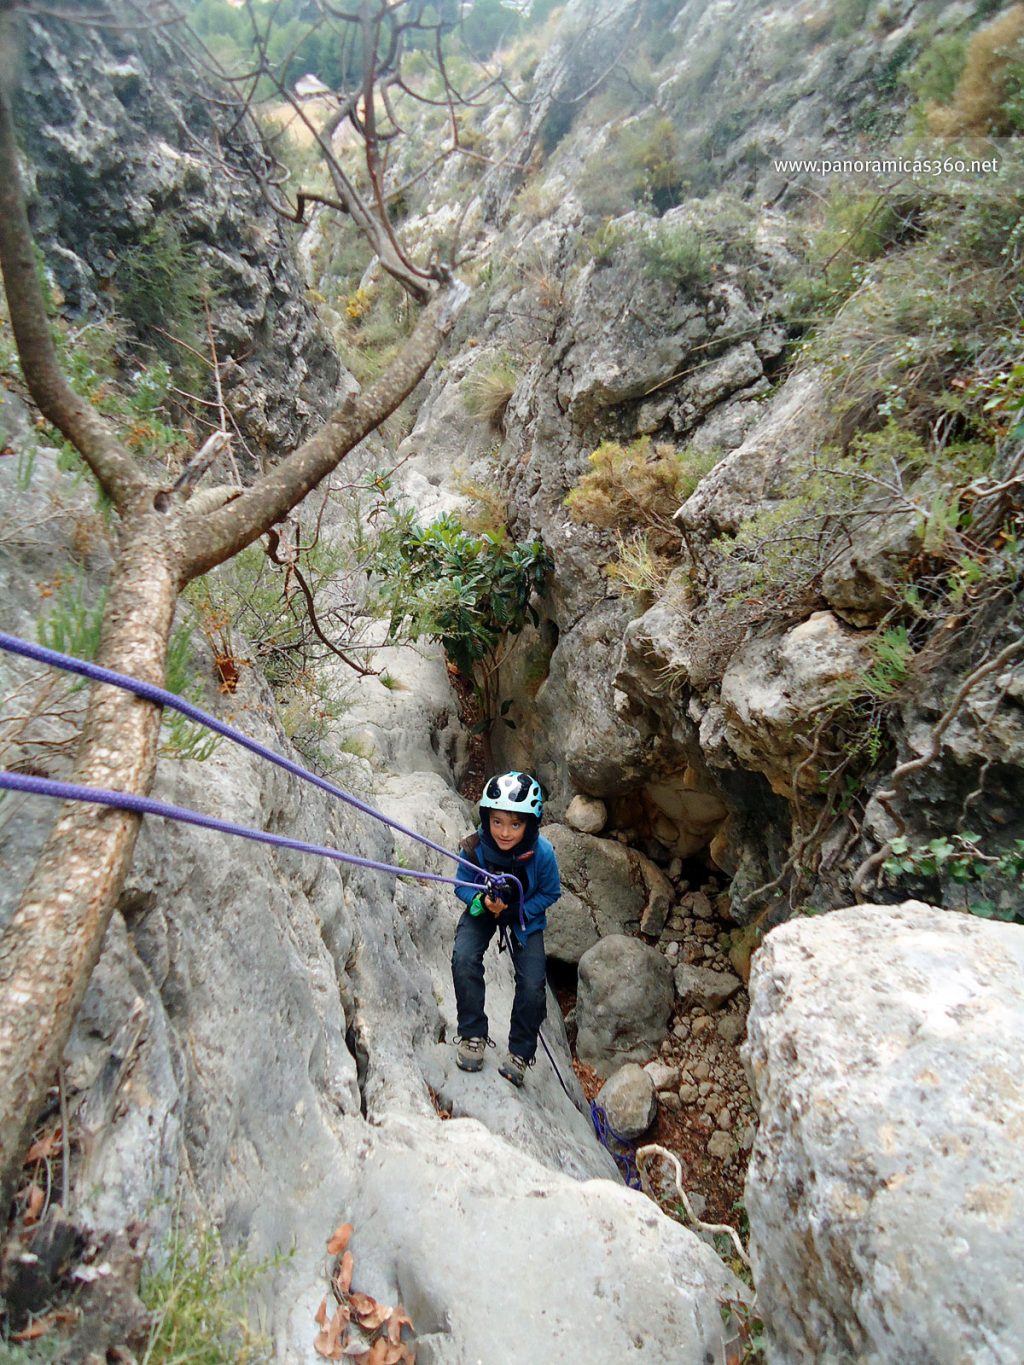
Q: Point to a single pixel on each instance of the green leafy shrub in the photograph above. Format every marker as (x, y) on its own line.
(470, 592)
(162, 282)
(961, 859)
(642, 572)
(606, 241)
(933, 76)
(639, 164)
(679, 254)
(196, 1297)
(74, 622)
(183, 738)
(858, 226)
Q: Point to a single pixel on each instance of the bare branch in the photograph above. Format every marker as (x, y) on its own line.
(215, 538)
(273, 546)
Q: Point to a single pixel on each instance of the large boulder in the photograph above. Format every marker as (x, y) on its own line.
(624, 1001)
(607, 889)
(885, 1192)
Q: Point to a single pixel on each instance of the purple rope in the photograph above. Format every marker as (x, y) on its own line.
(145, 805)
(15, 645)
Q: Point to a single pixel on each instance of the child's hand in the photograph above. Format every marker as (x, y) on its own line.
(495, 905)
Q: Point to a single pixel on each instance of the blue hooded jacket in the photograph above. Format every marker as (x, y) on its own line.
(535, 868)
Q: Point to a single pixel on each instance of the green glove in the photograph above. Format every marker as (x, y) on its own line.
(476, 905)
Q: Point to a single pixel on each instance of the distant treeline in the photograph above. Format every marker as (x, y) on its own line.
(297, 38)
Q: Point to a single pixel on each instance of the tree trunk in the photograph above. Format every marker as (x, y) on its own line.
(53, 941)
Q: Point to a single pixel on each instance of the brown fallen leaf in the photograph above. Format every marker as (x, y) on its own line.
(46, 1147)
(34, 1200)
(340, 1239)
(321, 1314)
(323, 1347)
(361, 1302)
(384, 1352)
(330, 1343)
(34, 1330)
(399, 1319)
(343, 1275)
(373, 1317)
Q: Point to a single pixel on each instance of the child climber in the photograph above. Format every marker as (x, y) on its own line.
(507, 841)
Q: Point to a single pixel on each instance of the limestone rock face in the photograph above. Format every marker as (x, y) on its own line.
(885, 1045)
(433, 1209)
(771, 687)
(116, 161)
(623, 1005)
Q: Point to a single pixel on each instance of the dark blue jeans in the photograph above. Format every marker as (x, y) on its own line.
(472, 936)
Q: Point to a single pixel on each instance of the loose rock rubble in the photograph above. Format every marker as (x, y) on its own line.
(705, 1112)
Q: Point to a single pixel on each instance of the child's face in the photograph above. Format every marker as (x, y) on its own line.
(507, 828)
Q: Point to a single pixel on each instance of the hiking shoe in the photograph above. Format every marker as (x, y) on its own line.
(470, 1056)
(513, 1068)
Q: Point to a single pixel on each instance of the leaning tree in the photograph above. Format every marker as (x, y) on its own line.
(165, 538)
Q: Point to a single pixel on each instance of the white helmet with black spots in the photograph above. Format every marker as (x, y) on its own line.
(517, 792)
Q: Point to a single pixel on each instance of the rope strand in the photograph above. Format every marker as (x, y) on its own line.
(160, 697)
(146, 805)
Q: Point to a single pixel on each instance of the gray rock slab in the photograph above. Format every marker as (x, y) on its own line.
(500, 1260)
(571, 929)
(885, 1047)
(615, 888)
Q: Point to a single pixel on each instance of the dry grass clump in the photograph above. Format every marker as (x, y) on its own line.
(989, 97)
(488, 391)
(638, 487)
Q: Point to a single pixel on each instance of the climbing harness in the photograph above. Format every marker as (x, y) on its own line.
(496, 884)
(40, 786)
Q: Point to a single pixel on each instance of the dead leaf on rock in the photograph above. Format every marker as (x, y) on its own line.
(376, 1317)
(330, 1343)
(340, 1239)
(343, 1275)
(399, 1319)
(322, 1346)
(321, 1314)
(384, 1352)
(47, 1146)
(34, 1202)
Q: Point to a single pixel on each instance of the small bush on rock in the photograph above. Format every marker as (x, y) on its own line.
(638, 487)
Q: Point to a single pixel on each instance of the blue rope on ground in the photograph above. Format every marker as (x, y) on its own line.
(623, 1151)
